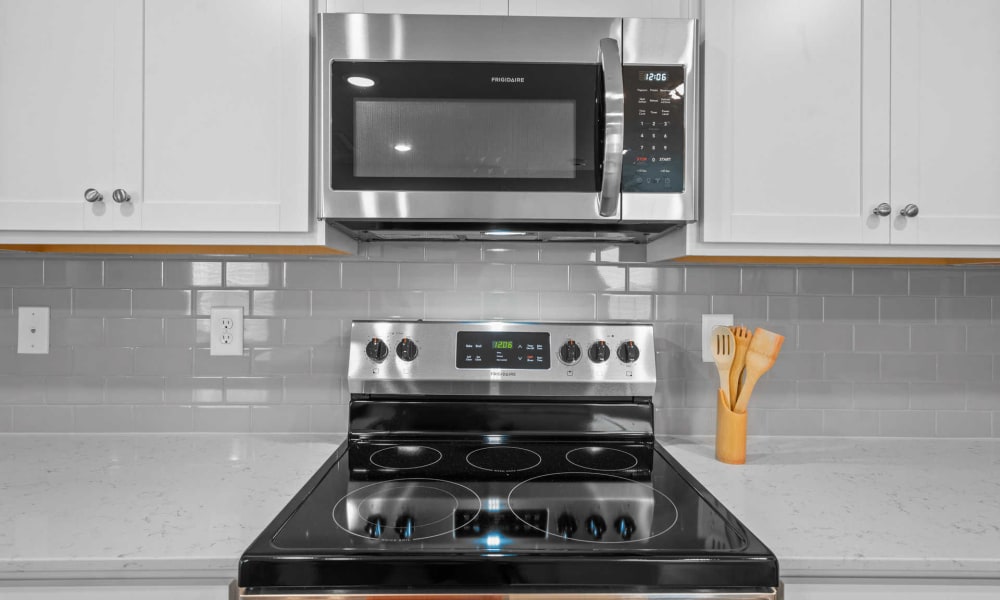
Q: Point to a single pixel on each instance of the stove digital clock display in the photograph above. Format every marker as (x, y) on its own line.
(502, 349)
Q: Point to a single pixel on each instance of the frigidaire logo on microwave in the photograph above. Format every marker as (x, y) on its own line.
(506, 79)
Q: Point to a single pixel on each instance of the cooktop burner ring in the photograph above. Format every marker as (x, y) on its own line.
(673, 505)
(603, 450)
(535, 455)
(398, 449)
(424, 480)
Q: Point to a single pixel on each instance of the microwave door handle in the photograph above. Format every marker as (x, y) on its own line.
(614, 126)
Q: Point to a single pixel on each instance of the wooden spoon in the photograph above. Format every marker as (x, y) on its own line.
(742, 336)
(723, 351)
(761, 354)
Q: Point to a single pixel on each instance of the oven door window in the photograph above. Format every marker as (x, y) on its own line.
(464, 126)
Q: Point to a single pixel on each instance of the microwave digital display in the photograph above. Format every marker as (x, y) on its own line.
(652, 76)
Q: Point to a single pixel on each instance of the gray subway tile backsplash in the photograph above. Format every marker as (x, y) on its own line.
(869, 350)
(191, 274)
(963, 310)
(825, 281)
(881, 282)
(121, 273)
(73, 273)
(937, 282)
(101, 303)
(982, 282)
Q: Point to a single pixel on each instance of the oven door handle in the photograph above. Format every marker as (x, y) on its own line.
(614, 127)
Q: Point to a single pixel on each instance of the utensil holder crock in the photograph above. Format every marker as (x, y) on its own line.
(730, 434)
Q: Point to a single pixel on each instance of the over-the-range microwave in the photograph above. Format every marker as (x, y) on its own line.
(457, 127)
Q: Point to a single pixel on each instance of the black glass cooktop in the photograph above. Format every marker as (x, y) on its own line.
(491, 511)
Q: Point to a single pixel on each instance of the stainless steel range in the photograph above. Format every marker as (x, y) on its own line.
(508, 459)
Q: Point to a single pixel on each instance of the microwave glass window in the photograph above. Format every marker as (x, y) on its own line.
(465, 126)
(502, 139)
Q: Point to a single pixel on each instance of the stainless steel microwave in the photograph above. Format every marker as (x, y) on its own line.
(455, 127)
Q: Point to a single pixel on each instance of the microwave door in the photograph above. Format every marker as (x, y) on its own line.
(439, 141)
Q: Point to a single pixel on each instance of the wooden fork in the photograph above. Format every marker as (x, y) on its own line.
(742, 336)
(723, 351)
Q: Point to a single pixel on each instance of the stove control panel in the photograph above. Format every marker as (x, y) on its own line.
(498, 358)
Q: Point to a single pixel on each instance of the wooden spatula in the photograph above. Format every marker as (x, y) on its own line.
(761, 354)
(723, 351)
(742, 336)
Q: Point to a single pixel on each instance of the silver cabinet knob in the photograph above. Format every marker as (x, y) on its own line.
(910, 210)
(120, 196)
(92, 195)
(882, 210)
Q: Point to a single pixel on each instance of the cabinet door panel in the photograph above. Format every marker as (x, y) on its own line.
(57, 113)
(783, 111)
(226, 115)
(945, 122)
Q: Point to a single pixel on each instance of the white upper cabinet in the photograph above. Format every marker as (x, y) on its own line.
(783, 141)
(70, 87)
(226, 115)
(184, 115)
(946, 121)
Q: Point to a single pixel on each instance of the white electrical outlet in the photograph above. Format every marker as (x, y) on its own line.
(226, 331)
(33, 330)
(708, 323)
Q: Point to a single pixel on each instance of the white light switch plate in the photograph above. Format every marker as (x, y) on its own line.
(708, 323)
(33, 330)
(226, 331)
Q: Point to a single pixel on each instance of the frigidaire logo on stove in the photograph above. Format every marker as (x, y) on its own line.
(507, 79)
(503, 373)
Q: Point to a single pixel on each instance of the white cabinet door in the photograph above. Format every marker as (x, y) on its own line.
(784, 151)
(226, 115)
(945, 121)
(70, 91)
(601, 8)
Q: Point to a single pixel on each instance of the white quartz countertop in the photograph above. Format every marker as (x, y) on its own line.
(862, 507)
(159, 505)
(170, 506)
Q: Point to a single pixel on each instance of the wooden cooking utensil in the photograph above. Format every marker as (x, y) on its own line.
(723, 350)
(761, 354)
(742, 336)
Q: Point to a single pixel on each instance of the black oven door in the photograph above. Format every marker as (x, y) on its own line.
(465, 126)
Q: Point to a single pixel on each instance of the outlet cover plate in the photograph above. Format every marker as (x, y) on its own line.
(33, 330)
(226, 341)
(708, 323)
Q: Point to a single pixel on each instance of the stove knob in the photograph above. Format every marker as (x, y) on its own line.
(595, 526)
(375, 526)
(376, 350)
(404, 527)
(406, 349)
(599, 351)
(569, 353)
(628, 352)
(625, 527)
(566, 525)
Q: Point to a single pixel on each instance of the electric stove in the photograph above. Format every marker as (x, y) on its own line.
(504, 459)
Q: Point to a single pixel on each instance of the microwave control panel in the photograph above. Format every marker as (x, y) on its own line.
(653, 160)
